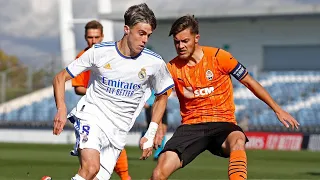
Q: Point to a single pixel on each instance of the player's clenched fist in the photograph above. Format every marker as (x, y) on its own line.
(59, 121)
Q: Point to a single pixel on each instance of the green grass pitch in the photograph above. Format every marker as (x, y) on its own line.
(32, 161)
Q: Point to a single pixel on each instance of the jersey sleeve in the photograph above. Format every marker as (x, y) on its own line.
(161, 81)
(83, 63)
(169, 66)
(229, 65)
(81, 80)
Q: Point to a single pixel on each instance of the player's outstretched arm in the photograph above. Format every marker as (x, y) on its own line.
(59, 89)
(261, 93)
(150, 139)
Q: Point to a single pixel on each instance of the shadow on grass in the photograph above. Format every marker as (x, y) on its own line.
(313, 173)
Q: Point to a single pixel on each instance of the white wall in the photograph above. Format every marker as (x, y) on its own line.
(245, 37)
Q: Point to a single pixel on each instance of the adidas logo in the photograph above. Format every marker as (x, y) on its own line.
(107, 66)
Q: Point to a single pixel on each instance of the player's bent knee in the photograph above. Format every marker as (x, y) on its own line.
(93, 170)
(168, 163)
(159, 174)
(235, 141)
(156, 173)
(90, 169)
(90, 163)
(239, 144)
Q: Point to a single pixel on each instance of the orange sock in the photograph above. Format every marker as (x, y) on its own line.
(237, 165)
(121, 167)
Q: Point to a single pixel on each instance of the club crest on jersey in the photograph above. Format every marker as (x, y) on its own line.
(142, 73)
(209, 74)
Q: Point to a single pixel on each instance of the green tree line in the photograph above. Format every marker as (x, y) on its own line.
(17, 82)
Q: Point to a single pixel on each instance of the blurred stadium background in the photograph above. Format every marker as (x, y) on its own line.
(277, 40)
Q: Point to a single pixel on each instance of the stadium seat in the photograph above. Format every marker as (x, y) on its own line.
(299, 92)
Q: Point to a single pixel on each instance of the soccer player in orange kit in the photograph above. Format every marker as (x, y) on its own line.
(203, 85)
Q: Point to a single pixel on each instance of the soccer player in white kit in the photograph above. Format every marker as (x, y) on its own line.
(122, 74)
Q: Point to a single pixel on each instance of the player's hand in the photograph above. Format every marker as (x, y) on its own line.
(158, 138)
(286, 119)
(146, 150)
(59, 121)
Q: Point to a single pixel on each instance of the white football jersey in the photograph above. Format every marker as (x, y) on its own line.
(118, 87)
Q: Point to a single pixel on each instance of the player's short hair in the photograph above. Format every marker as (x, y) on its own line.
(185, 22)
(140, 13)
(93, 25)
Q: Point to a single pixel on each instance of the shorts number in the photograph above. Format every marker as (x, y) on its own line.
(85, 129)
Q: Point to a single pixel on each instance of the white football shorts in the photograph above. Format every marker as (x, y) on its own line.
(89, 135)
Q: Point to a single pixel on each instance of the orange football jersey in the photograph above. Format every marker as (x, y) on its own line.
(83, 78)
(205, 90)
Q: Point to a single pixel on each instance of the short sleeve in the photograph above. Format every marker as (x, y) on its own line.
(169, 66)
(83, 63)
(161, 81)
(229, 65)
(81, 80)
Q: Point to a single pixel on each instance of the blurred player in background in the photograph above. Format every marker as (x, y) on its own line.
(164, 125)
(121, 76)
(204, 89)
(94, 35)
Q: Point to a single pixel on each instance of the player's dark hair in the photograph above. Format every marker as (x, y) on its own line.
(185, 22)
(140, 13)
(93, 25)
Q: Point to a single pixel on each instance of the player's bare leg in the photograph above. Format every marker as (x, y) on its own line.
(89, 164)
(235, 146)
(168, 163)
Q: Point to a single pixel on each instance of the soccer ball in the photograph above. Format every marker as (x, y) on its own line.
(46, 178)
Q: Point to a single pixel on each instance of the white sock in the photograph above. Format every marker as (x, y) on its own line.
(77, 177)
